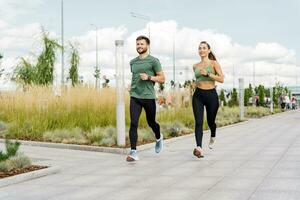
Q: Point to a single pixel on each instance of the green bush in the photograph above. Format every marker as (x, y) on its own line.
(3, 166)
(173, 129)
(66, 136)
(3, 126)
(109, 137)
(17, 162)
(145, 135)
(95, 136)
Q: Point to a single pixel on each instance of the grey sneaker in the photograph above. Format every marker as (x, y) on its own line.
(159, 144)
(132, 156)
(211, 142)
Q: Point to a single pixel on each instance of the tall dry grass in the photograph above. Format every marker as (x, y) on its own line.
(31, 114)
(37, 110)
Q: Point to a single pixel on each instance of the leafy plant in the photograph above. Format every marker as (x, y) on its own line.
(11, 150)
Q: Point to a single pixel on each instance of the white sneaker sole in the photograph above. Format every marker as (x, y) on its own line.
(129, 158)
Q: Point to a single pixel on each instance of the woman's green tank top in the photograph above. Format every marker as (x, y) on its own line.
(200, 77)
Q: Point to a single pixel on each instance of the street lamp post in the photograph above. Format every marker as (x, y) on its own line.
(253, 96)
(174, 59)
(143, 17)
(97, 74)
(233, 76)
(297, 73)
(120, 105)
(241, 98)
(62, 43)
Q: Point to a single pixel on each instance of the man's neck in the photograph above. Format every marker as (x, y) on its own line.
(144, 55)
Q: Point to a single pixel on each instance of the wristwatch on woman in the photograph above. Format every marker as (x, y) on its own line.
(149, 77)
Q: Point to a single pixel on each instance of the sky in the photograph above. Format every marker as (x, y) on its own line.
(254, 39)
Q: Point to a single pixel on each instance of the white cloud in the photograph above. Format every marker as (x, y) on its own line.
(272, 60)
(20, 38)
(3, 24)
(106, 38)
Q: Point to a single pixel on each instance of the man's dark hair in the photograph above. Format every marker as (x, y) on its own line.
(142, 37)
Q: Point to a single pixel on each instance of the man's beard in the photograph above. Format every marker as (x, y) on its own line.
(141, 52)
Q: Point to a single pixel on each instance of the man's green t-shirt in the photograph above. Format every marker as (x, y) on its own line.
(139, 88)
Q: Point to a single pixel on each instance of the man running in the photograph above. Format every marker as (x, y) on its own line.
(146, 70)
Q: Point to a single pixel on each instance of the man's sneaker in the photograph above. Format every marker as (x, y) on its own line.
(198, 152)
(132, 156)
(159, 144)
(211, 142)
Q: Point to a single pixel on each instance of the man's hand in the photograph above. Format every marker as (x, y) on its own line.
(144, 76)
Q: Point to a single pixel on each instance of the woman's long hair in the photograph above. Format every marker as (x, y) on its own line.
(211, 55)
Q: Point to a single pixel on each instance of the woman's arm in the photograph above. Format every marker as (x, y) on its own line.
(219, 76)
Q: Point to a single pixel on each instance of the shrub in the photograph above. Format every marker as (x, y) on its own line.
(109, 137)
(95, 136)
(74, 135)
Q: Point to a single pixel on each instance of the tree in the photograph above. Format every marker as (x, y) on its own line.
(24, 73)
(222, 97)
(187, 84)
(234, 99)
(172, 83)
(256, 90)
(247, 96)
(97, 76)
(261, 95)
(277, 91)
(161, 87)
(74, 62)
(267, 92)
(46, 60)
(40, 73)
(106, 81)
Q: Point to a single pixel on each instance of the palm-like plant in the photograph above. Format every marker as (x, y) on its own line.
(11, 150)
(46, 60)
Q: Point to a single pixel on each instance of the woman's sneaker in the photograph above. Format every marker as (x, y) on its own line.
(211, 142)
(159, 144)
(198, 152)
(132, 156)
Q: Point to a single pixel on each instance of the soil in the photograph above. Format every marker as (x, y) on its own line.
(21, 171)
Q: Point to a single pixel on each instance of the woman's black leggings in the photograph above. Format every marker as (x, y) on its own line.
(136, 106)
(209, 99)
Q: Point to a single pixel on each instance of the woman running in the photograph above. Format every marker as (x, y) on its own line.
(207, 72)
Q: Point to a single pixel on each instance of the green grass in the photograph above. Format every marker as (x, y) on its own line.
(85, 116)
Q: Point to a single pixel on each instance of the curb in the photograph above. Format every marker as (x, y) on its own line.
(72, 146)
(118, 150)
(28, 176)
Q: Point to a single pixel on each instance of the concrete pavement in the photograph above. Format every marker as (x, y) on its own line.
(255, 160)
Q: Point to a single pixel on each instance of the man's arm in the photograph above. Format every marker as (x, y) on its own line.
(159, 77)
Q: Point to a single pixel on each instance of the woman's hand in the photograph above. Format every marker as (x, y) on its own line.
(203, 72)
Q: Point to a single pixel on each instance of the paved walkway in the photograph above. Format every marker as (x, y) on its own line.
(259, 159)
